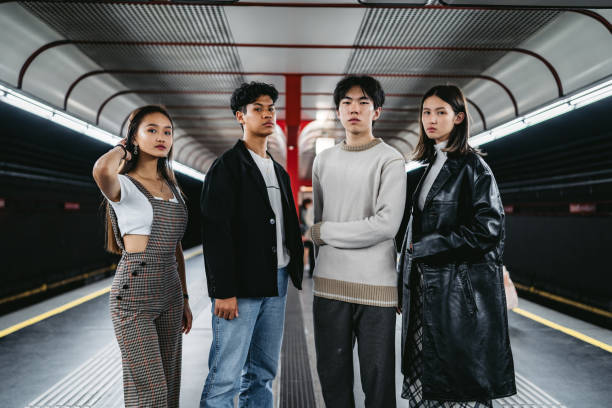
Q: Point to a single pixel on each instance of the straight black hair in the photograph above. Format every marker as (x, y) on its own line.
(370, 86)
(458, 139)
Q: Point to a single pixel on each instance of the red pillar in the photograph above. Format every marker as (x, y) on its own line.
(293, 110)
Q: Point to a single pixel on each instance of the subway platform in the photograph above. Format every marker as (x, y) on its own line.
(62, 353)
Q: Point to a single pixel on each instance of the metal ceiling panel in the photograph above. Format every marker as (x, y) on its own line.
(524, 54)
(116, 110)
(180, 81)
(276, 80)
(132, 28)
(580, 50)
(451, 27)
(416, 85)
(290, 26)
(319, 101)
(458, 42)
(320, 84)
(293, 60)
(22, 33)
(419, 61)
(562, 44)
(165, 56)
(530, 3)
(134, 22)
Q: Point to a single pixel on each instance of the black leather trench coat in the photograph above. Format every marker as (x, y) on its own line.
(458, 242)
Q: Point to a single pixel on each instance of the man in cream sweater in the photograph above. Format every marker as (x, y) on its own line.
(359, 189)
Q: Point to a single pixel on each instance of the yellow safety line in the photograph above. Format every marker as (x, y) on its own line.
(563, 329)
(44, 287)
(191, 255)
(561, 299)
(53, 312)
(67, 306)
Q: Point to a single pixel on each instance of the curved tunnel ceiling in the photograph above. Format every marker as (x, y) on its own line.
(100, 60)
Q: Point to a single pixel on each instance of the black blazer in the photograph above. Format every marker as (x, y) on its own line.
(239, 231)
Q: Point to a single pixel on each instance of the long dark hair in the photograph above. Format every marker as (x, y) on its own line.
(164, 166)
(458, 139)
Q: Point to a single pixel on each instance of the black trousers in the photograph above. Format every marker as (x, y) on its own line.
(336, 327)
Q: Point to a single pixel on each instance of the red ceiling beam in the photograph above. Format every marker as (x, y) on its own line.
(482, 117)
(45, 47)
(150, 92)
(202, 92)
(315, 74)
(293, 100)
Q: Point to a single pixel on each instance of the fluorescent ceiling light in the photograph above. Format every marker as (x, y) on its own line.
(413, 165)
(186, 170)
(25, 103)
(21, 101)
(557, 108)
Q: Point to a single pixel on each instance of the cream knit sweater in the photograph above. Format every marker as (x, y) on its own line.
(359, 195)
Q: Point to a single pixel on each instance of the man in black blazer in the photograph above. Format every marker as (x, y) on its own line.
(252, 247)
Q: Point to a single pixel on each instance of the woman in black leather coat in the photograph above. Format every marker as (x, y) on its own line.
(455, 344)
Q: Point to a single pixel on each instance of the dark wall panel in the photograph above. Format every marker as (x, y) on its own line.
(569, 256)
(43, 166)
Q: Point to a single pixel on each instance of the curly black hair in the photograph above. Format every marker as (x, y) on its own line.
(370, 86)
(248, 93)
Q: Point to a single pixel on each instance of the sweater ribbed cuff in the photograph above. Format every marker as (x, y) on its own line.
(316, 234)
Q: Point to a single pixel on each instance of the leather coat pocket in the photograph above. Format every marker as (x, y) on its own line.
(463, 278)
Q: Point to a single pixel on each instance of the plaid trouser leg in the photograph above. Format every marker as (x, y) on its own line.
(143, 373)
(168, 326)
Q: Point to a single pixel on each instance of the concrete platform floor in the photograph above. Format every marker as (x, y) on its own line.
(71, 359)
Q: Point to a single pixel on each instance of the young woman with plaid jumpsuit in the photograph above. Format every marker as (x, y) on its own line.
(146, 219)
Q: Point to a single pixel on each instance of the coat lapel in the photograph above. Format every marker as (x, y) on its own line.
(450, 167)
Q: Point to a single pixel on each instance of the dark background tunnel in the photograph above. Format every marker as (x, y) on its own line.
(45, 169)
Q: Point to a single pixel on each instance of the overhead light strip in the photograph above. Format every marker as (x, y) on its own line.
(560, 107)
(557, 108)
(31, 105)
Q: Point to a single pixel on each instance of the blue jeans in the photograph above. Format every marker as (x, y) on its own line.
(245, 351)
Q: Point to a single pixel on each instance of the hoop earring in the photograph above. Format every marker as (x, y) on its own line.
(135, 150)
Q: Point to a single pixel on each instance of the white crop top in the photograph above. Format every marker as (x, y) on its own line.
(134, 211)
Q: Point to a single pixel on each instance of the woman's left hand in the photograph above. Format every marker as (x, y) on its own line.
(187, 317)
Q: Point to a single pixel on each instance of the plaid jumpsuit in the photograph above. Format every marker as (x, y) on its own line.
(146, 305)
